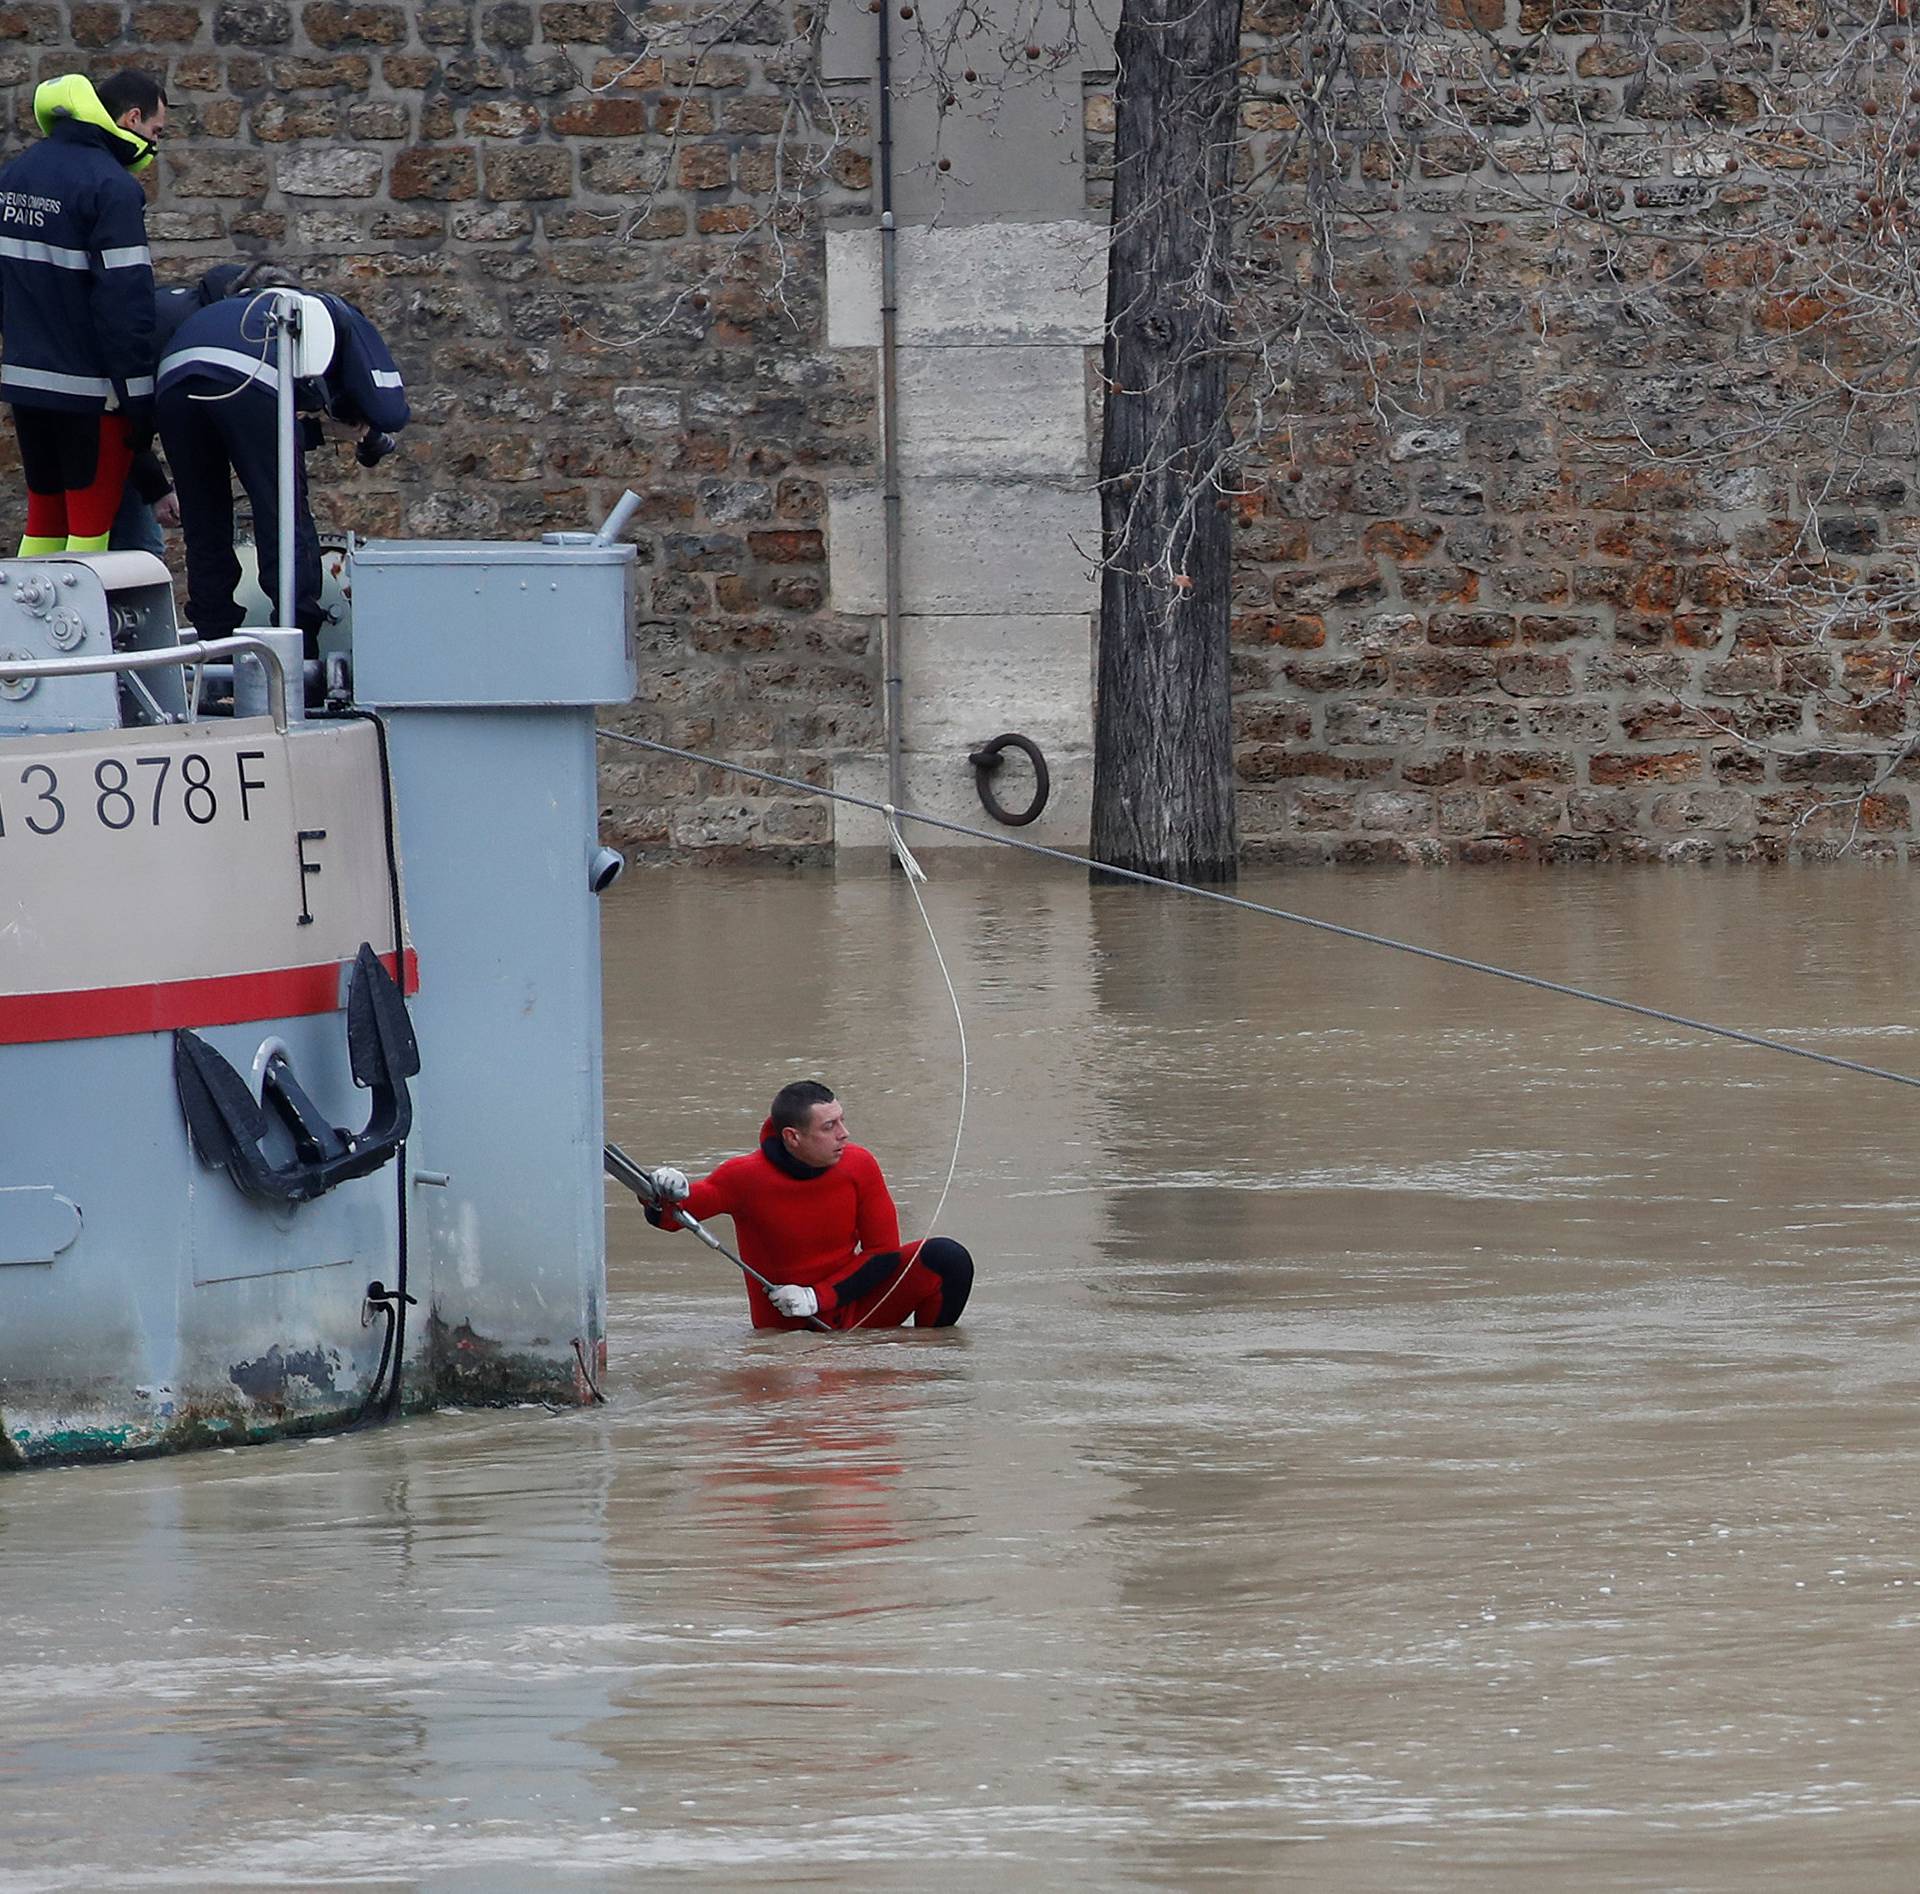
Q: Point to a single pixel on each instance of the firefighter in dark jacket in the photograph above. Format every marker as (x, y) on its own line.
(76, 303)
(149, 504)
(219, 416)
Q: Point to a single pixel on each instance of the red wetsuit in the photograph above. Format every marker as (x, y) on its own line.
(835, 1231)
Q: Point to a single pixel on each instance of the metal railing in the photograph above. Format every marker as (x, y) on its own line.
(194, 655)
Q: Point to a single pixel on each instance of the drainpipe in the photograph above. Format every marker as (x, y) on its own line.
(890, 420)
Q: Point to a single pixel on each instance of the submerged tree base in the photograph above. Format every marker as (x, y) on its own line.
(1121, 873)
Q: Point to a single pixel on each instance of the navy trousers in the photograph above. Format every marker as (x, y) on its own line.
(208, 442)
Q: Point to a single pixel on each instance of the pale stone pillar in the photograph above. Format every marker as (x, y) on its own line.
(1001, 287)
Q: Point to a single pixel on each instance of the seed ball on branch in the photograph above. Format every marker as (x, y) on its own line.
(971, 77)
(1033, 52)
(946, 164)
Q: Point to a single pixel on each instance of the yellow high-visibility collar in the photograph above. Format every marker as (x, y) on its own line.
(74, 97)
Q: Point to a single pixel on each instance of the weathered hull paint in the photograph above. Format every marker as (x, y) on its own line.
(154, 875)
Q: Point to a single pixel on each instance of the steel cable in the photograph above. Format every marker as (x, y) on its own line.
(1343, 932)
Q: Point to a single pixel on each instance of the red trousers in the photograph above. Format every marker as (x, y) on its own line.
(75, 465)
(913, 1293)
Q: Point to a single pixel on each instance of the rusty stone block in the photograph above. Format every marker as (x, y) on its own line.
(89, 25)
(1317, 810)
(330, 25)
(165, 25)
(1654, 766)
(623, 171)
(1275, 762)
(38, 24)
(349, 72)
(408, 225)
(501, 118)
(185, 226)
(280, 121)
(1470, 628)
(1497, 768)
(437, 171)
(215, 173)
(796, 592)
(1401, 539)
(1442, 674)
(1530, 809)
(529, 171)
(789, 546)
(1534, 674)
(409, 72)
(1297, 631)
(601, 118)
(1372, 723)
(704, 168)
(1598, 811)
(1439, 585)
(1700, 809)
(467, 73)
(444, 25)
(591, 22)
(1557, 628)
(683, 116)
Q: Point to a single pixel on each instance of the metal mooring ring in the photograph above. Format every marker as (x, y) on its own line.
(988, 758)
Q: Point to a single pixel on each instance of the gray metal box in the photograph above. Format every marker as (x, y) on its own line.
(452, 623)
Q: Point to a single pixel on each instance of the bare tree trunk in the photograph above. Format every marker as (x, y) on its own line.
(1163, 740)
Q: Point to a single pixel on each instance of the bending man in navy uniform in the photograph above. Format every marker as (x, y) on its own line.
(76, 301)
(219, 416)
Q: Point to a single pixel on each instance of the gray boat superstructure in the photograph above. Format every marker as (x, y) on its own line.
(300, 1090)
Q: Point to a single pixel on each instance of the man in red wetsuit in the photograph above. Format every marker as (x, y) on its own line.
(814, 1216)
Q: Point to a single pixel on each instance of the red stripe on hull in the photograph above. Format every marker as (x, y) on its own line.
(225, 1000)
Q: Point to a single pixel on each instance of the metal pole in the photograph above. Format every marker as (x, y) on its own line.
(286, 313)
(890, 422)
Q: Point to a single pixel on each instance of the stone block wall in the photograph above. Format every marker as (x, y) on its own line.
(1472, 623)
(558, 229)
(1582, 548)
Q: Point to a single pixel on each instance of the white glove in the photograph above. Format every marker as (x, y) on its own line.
(791, 1299)
(669, 1185)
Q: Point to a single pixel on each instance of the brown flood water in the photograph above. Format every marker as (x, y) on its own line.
(1409, 1432)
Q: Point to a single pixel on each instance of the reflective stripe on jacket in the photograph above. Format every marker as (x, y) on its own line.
(230, 342)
